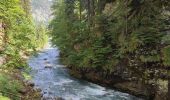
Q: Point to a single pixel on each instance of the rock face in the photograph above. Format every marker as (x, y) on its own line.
(132, 87)
(42, 11)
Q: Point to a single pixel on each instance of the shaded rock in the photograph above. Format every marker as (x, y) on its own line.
(45, 92)
(58, 98)
(37, 89)
(114, 81)
(45, 59)
(50, 92)
(30, 83)
(23, 91)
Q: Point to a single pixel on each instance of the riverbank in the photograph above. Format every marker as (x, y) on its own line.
(14, 85)
(147, 92)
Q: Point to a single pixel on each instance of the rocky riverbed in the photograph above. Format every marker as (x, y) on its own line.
(54, 80)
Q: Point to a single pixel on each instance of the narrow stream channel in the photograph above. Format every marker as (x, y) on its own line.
(56, 82)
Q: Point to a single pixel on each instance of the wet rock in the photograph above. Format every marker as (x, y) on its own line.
(132, 87)
(45, 59)
(37, 89)
(48, 66)
(41, 95)
(30, 83)
(50, 93)
(45, 92)
(58, 98)
(47, 62)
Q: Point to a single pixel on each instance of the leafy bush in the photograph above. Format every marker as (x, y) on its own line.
(9, 87)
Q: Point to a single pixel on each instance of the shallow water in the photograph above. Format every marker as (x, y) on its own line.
(56, 82)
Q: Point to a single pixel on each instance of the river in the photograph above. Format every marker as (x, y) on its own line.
(55, 81)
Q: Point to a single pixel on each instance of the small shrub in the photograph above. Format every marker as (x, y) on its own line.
(9, 87)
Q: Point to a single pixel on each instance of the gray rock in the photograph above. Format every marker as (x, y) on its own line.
(23, 91)
(37, 89)
(45, 92)
(45, 58)
(30, 83)
(58, 98)
(48, 66)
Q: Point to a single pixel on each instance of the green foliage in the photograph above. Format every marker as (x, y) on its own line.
(166, 55)
(125, 33)
(21, 35)
(26, 76)
(41, 36)
(4, 98)
(9, 87)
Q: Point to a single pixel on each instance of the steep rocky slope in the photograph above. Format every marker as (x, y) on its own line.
(41, 11)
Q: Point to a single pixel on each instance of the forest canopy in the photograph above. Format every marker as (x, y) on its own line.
(19, 34)
(114, 37)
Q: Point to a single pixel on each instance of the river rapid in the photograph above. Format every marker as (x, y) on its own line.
(54, 80)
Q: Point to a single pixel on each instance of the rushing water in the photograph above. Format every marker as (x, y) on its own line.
(56, 81)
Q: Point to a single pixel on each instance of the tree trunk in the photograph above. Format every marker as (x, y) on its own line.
(88, 14)
(80, 10)
(92, 12)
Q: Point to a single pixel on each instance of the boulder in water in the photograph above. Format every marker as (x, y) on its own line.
(29, 83)
(48, 66)
(37, 89)
(47, 62)
(45, 58)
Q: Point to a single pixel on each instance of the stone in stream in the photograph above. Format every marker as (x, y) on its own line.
(48, 66)
(45, 58)
(37, 89)
(58, 98)
(47, 62)
(29, 83)
(45, 92)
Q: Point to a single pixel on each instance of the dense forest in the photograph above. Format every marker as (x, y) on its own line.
(125, 38)
(122, 45)
(19, 37)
